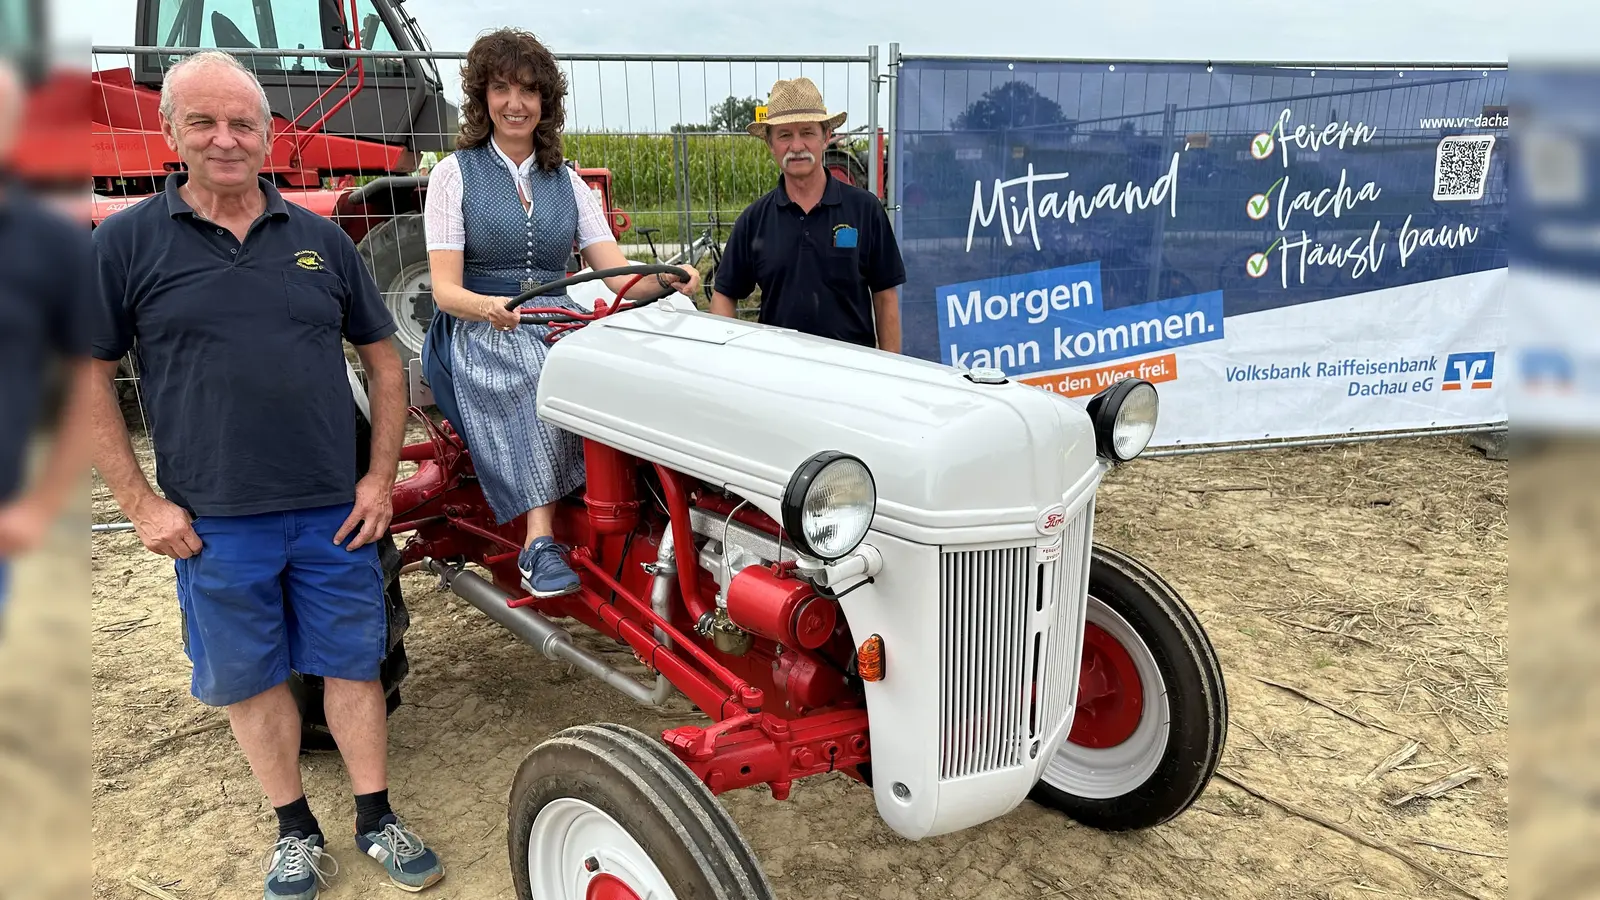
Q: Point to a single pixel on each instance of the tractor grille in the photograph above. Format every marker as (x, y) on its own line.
(1009, 648)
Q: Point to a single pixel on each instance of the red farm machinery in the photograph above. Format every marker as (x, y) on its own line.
(357, 101)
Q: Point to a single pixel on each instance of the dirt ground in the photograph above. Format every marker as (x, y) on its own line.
(44, 705)
(1357, 597)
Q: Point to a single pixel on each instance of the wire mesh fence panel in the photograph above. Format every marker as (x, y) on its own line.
(661, 139)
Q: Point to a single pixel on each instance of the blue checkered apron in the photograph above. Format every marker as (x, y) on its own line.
(522, 462)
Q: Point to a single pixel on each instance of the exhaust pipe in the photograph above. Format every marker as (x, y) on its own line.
(537, 629)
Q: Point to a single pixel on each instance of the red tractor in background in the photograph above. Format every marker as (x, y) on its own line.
(339, 119)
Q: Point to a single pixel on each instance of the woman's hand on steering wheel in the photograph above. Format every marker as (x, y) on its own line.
(681, 286)
(503, 319)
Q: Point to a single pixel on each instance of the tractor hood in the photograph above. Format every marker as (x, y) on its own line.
(743, 405)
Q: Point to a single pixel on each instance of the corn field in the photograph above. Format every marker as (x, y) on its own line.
(721, 173)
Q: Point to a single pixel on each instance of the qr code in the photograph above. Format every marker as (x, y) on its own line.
(1462, 170)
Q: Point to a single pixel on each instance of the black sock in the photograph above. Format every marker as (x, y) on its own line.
(297, 817)
(370, 810)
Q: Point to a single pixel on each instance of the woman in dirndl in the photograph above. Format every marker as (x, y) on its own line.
(504, 211)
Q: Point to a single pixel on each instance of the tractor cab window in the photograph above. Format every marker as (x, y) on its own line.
(22, 28)
(245, 25)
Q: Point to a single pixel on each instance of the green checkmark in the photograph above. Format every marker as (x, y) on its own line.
(1269, 250)
(1257, 263)
(1260, 202)
(1261, 146)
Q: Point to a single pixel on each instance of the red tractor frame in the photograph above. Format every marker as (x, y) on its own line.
(764, 701)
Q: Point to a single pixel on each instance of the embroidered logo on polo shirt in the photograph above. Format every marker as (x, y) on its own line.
(844, 236)
(309, 260)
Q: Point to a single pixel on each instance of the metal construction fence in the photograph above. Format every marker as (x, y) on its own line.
(661, 138)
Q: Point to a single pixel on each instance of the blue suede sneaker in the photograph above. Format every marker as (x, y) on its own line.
(411, 866)
(294, 870)
(544, 572)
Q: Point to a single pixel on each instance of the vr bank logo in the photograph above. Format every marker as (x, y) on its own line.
(1462, 370)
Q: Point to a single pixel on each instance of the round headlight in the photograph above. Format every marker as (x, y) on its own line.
(1136, 421)
(829, 504)
(1124, 417)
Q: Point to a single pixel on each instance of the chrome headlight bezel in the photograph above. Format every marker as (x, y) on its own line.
(1108, 410)
(795, 495)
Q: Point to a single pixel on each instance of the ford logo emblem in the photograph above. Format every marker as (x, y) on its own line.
(1052, 520)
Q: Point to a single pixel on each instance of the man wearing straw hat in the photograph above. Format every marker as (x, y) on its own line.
(822, 251)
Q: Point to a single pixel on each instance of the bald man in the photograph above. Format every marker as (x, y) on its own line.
(239, 303)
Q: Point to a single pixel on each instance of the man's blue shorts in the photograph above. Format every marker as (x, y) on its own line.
(272, 592)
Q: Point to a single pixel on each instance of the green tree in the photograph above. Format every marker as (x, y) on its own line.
(732, 114)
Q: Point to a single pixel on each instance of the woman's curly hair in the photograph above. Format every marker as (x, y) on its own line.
(514, 55)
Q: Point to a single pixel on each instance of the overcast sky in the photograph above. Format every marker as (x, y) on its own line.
(1313, 30)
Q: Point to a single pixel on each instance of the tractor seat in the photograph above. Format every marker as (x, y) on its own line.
(228, 35)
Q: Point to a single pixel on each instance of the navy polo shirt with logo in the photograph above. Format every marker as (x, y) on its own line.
(817, 270)
(239, 349)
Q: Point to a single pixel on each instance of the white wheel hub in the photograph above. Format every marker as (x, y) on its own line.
(578, 852)
(402, 298)
(1105, 773)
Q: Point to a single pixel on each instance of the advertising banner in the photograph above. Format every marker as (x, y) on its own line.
(1284, 252)
(1555, 250)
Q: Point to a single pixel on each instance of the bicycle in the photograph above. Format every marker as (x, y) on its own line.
(692, 254)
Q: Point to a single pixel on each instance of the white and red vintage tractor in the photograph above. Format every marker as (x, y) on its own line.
(850, 561)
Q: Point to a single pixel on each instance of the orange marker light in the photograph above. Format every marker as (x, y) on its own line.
(869, 659)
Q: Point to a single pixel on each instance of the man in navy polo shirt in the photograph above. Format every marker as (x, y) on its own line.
(822, 251)
(235, 303)
(43, 321)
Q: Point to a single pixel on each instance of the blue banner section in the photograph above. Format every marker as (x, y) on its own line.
(1055, 319)
(1263, 187)
(1555, 206)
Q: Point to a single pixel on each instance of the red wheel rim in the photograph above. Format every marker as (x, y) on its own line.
(1110, 694)
(606, 886)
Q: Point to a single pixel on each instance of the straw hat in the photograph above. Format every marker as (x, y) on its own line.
(796, 100)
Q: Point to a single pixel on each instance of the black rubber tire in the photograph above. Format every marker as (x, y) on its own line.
(652, 795)
(315, 735)
(393, 252)
(1196, 694)
(837, 158)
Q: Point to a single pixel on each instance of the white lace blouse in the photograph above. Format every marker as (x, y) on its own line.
(442, 215)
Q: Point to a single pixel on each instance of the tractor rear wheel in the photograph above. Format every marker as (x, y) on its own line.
(1152, 711)
(307, 689)
(604, 811)
(315, 735)
(845, 166)
(396, 252)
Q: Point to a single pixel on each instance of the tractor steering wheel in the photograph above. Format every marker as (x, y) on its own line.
(571, 318)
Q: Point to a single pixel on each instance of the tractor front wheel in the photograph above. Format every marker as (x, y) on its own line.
(603, 812)
(1152, 711)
